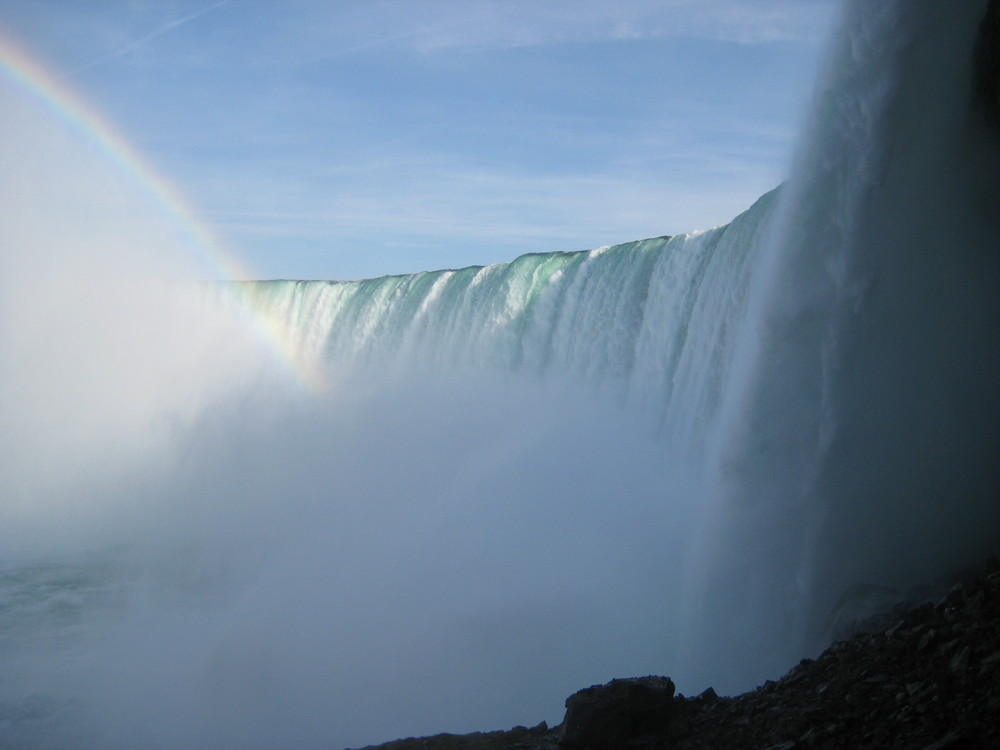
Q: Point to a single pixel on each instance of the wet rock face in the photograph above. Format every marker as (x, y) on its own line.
(931, 680)
(987, 62)
(865, 608)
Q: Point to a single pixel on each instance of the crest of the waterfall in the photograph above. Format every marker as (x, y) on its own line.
(859, 436)
(649, 325)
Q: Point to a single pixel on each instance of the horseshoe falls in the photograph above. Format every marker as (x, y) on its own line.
(326, 514)
(594, 318)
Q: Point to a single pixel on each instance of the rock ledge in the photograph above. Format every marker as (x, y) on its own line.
(930, 681)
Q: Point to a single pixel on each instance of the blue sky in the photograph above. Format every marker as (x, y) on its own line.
(354, 138)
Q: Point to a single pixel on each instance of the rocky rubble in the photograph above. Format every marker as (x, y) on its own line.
(930, 681)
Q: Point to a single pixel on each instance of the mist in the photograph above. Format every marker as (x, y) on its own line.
(201, 551)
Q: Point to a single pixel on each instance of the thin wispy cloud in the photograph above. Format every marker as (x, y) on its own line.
(481, 24)
(158, 32)
(466, 132)
(475, 214)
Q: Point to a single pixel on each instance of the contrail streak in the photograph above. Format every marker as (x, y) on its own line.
(165, 28)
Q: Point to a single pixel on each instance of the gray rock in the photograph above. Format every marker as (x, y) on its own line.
(610, 716)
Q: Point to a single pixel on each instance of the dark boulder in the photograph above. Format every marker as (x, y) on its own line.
(617, 714)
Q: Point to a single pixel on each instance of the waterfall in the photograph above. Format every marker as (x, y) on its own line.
(651, 323)
(841, 421)
(500, 484)
(859, 436)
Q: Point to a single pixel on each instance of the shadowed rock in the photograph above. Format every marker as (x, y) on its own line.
(987, 59)
(616, 714)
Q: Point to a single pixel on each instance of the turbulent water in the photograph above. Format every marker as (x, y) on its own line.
(453, 498)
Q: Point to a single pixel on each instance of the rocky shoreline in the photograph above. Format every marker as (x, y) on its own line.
(930, 681)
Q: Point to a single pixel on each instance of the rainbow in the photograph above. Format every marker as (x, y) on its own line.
(31, 77)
